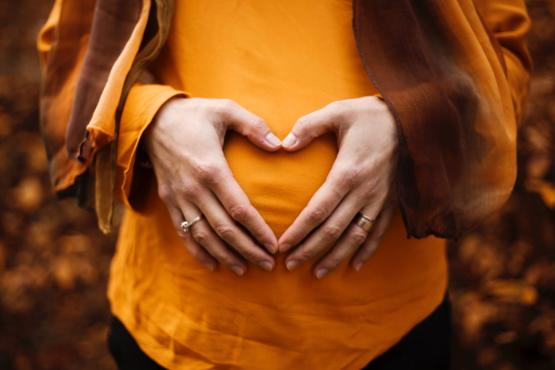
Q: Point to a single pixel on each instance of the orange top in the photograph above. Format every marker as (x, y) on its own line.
(281, 60)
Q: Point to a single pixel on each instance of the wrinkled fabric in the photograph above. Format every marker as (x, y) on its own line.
(456, 91)
(456, 106)
(86, 50)
(185, 316)
(91, 52)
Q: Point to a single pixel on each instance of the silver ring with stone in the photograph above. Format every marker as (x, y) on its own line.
(186, 225)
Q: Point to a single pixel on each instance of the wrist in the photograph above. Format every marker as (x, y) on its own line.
(155, 127)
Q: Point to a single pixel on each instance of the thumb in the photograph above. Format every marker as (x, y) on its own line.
(252, 127)
(309, 127)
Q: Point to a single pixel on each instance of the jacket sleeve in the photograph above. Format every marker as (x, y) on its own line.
(455, 78)
(61, 44)
(465, 166)
(87, 50)
(509, 23)
(92, 53)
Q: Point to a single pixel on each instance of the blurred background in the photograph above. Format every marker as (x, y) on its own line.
(54, 262)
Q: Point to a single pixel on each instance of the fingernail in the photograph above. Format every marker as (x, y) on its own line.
(238, 270)
(273, 140)
(290, 141)
(291, 264)
(357, 266)
(267, 265)
(321, 272)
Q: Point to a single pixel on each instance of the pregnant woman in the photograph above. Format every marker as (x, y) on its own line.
(281, 213)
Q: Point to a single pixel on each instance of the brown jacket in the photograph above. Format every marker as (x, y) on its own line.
(455, 85)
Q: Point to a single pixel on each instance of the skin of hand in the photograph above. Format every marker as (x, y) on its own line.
(360, 180)
(184, 143)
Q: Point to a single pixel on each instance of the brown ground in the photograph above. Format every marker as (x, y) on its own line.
(54, 264)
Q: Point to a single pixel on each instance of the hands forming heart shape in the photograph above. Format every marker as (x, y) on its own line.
(194, 179)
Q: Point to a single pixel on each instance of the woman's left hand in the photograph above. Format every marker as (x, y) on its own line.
(360, 180)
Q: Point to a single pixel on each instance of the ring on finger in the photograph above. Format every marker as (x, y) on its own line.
(186, 225)
(364, 222)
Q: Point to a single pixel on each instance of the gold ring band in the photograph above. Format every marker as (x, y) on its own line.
(364, 222)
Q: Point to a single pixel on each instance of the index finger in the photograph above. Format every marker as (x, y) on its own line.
(239, 207)
(318, 209)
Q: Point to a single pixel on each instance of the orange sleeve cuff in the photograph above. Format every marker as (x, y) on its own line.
(142, 104)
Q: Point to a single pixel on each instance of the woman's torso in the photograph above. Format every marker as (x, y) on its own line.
(281, 60)
(278, 68)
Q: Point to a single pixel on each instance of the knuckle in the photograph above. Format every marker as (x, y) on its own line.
(358, 237)
(189, 189)
(300, 125)
(206, 171)
(256, 128)
(349, 177)
(304, 254)
(200, 236)
(303, 129)
(164, 192)
(225, 231)
(332, 231)
(336, 108)
(258, 125)
(367, 195)
(239, 212)
(337, 190)
(317, 214)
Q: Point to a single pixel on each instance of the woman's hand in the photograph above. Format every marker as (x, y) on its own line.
(184, 143)
(359, 181)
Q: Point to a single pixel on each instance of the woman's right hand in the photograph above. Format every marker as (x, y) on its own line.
(184, 143)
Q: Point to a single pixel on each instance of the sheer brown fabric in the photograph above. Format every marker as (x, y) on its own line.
(453, 72)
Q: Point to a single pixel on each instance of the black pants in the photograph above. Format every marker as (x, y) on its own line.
(426, 346)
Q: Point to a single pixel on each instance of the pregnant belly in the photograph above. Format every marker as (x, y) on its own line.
(280, 184)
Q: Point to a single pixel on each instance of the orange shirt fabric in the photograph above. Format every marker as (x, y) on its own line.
(281, 60)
